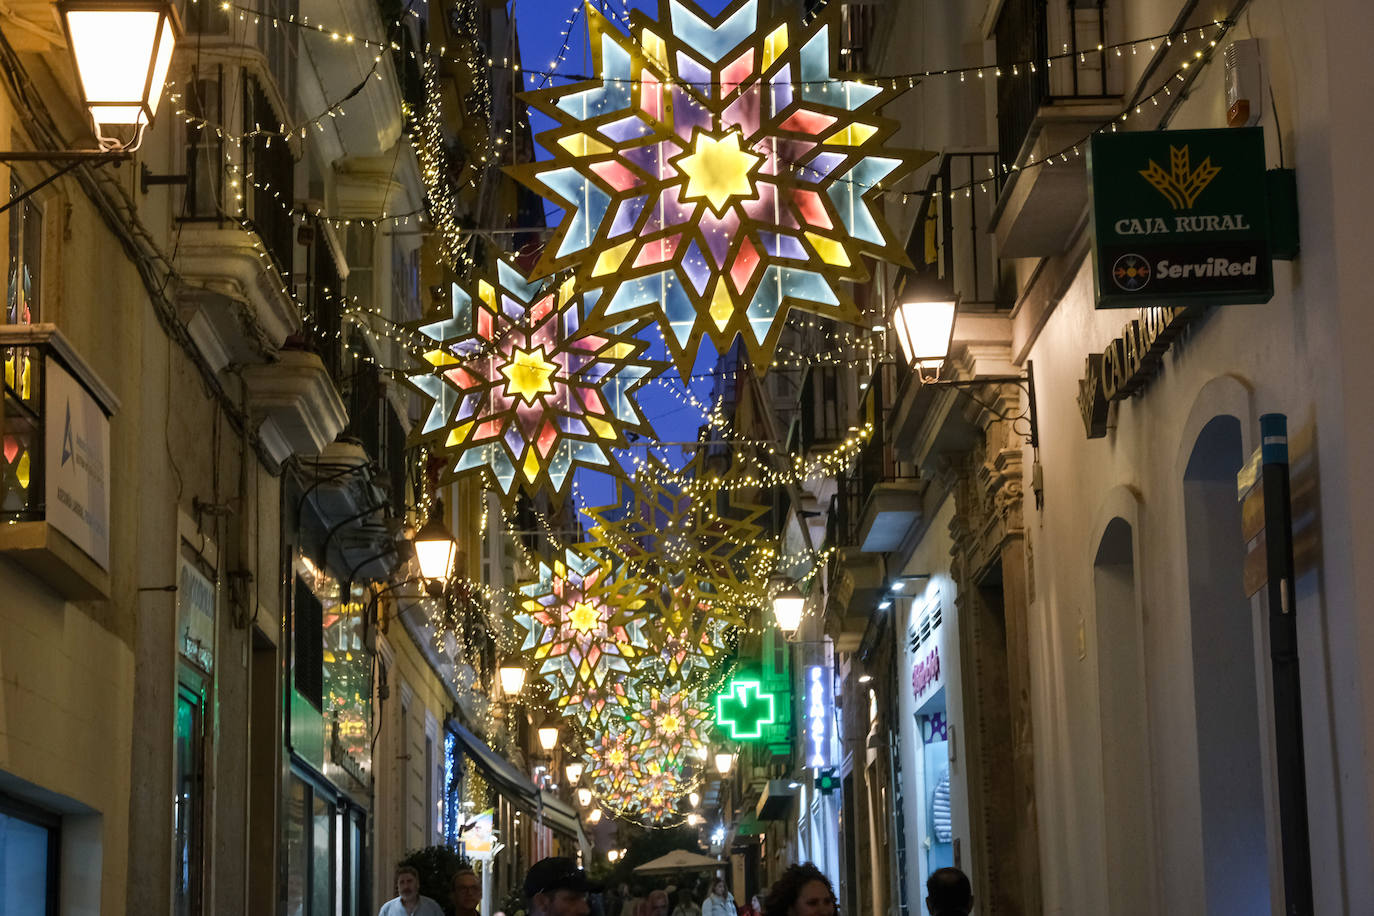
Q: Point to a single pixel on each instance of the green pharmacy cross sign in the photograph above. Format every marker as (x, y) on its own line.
(744, 709)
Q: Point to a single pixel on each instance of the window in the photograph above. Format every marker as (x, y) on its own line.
(204, 146)
(308, 639)
(188, 822)
(29, 844)
(311, 828)
(26, 258)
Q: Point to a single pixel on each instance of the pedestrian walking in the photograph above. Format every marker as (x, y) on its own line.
(408, 900)
(686, 906)
(467, 892)
(949, 893)
(557, 887)
(803, 890)
(718, 902)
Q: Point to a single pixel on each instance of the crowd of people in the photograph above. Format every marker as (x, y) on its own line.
(557, 887)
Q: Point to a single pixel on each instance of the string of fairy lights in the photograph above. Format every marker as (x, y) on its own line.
(600, 563)
(1207, 35)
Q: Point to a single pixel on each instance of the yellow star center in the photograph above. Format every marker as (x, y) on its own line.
(584, 618)
(717, 169)
(528, 375)
(670, 724)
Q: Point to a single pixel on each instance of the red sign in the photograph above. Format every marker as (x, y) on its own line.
(926, 672)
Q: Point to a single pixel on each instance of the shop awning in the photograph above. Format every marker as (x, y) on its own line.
(499, 771)
(559, 816)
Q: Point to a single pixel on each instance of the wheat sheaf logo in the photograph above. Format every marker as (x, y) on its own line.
(1182, 184)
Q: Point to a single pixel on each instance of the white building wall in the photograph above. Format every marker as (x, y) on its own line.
(1302, 354)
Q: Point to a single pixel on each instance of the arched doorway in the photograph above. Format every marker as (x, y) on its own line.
(1124, 724)
(1235, 854)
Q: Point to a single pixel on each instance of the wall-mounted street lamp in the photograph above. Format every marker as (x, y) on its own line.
(122, 50)
(584, 796)
(725, 761)
(694, 798)
(512, 679)
(924, 322)
(788, 606)
(594, 816)
(548, 737)
(574, 772)
(435, 547)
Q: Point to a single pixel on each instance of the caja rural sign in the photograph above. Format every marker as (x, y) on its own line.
(1180, 216)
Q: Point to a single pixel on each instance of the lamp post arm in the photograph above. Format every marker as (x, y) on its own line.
(1026, 382)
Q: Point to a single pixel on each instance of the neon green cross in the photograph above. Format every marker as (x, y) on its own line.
(745, 709)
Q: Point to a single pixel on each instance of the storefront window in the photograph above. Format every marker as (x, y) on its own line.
(311, 837)
(189, 800)
(345, 670)
(28, 859)
(25, 249)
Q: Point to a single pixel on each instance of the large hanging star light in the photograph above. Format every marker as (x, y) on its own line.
(716, 174)
(672, 726)
(579, 643)
(712, 556)
(519, 390)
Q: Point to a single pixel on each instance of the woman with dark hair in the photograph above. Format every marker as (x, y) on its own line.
(803, 890)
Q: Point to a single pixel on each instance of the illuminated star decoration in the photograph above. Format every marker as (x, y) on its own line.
(672, 725)
(716, 174)
(516, 388)
(581, 645)
(666, 537)
(634, 785)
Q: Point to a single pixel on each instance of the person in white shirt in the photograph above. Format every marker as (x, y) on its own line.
(408, 900)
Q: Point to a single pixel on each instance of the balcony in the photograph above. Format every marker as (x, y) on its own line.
(54, 462)
(236, 238)
(1043, 111)
(821, 420)
(293, 401)
(336, 69)
(877, 504)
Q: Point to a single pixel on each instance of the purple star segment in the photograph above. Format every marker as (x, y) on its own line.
(716, 174)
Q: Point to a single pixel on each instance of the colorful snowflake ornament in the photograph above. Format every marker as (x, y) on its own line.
(517, 389)
(672, 727)
(580, 644)
(716, 174)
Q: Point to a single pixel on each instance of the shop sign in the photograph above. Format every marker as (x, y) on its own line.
(479, 838)
(195, 614)
(342, 757)
(818, 716)
(1180, 215)
(926, 672)
(76, 444)
(743, 710)
(1127, 364)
